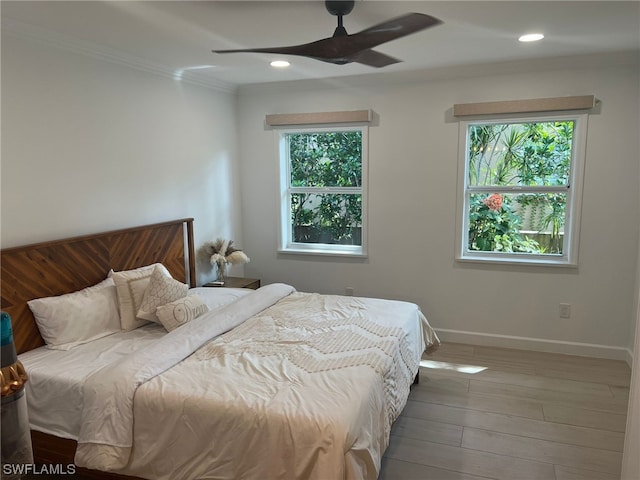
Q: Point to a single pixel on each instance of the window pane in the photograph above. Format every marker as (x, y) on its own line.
(331, 159)
(326, 218)
(514, 222)
(531, 154)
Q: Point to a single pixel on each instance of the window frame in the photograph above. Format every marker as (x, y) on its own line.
(285, 242)
(569, 257)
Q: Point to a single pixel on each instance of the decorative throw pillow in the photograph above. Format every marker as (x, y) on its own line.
(79, 317)
(131, 285)
(181, 311)
(161, 290)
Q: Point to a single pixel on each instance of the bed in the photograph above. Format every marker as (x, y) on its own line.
(272, 383)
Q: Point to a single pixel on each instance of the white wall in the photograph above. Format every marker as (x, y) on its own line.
(412, 191)
(630, 459)
(89, 145)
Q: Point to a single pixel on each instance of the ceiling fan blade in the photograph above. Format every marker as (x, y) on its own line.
(374, 59)
(392, 29)
(319, 50)
(293, 50)
(336, 50)
(333, 50)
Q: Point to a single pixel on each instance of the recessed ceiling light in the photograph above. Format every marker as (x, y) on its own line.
(531, 37)
(280, 64)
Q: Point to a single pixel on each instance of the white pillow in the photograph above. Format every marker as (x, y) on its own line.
(79, 317)
(131, 285)
(181, 311)
(161, 290)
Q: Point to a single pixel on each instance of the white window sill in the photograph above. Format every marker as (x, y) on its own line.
(322, 252)
(528, 260)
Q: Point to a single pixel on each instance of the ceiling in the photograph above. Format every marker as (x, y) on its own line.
(178, 36)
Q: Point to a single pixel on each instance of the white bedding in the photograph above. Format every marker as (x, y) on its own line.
(56, 377)
(282, 395)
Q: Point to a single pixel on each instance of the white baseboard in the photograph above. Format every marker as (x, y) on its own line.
(629, 357)
(536, 344)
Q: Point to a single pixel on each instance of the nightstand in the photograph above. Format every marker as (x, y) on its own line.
(237, 282)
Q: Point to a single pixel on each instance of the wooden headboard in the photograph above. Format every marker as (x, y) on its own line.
(64, 266)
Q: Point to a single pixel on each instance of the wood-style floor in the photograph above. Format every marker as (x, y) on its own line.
(483, 412)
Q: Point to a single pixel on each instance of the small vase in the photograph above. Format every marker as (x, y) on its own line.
(221, 266)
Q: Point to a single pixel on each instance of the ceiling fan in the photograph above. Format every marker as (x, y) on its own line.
(343, 48)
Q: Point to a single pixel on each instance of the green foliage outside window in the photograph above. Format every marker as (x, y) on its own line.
(536, 154)
(494, 227)
(326, 161)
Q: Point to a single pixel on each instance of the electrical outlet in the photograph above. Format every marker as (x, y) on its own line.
(348, 291)
(565, 310)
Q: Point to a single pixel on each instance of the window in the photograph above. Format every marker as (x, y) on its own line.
(323, 194)
(521, 189)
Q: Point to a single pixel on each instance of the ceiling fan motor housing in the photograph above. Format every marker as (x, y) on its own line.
(339, 8)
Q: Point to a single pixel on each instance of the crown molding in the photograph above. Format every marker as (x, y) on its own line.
(25, 31)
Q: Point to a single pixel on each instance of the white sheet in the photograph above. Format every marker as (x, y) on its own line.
(216, 297)
(56, 378)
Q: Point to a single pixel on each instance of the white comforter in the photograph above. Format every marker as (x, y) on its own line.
(301, 386)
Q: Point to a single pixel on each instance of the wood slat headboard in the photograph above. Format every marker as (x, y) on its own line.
(64, 266)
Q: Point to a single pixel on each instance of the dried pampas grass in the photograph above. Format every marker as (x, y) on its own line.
(222, 251)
